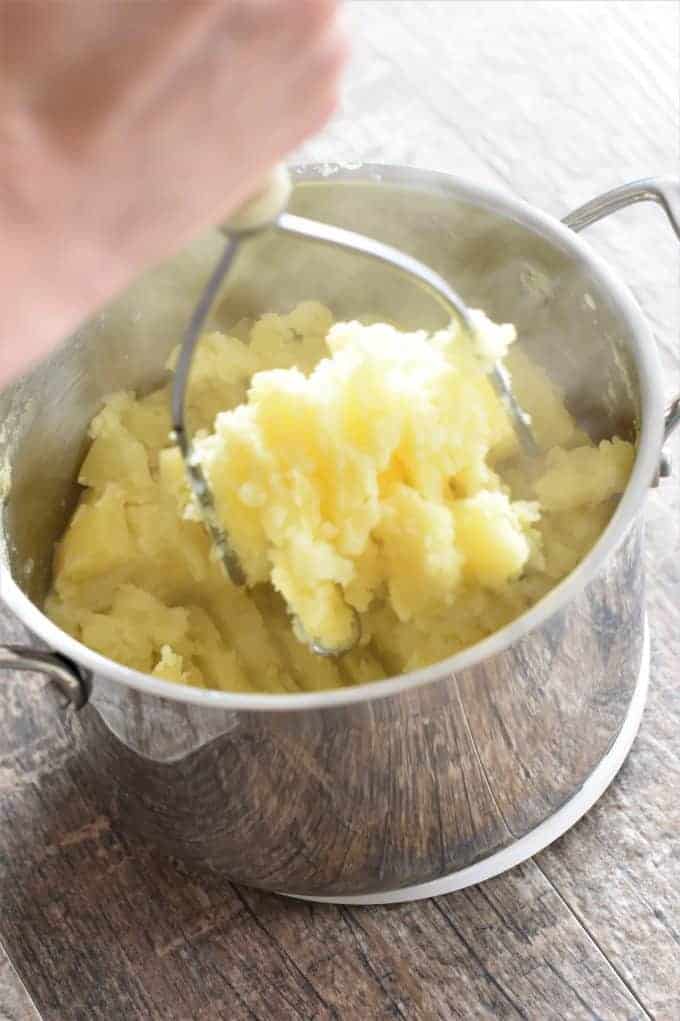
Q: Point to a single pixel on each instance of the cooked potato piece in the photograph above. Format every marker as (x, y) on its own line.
(98, 538)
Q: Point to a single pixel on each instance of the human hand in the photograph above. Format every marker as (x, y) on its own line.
(129, 127)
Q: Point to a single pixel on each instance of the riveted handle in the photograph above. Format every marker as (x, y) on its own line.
(665, 191)
(69, 678)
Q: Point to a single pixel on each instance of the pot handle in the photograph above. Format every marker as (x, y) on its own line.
(70, 679)
(665, 191)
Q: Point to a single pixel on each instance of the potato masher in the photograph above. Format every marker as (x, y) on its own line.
(266, 210)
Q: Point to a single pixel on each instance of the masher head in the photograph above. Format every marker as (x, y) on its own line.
(265, 210)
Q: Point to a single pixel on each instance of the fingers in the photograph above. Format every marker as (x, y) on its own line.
(152, 121)
(280, 84)
(249, 20)
(316, 86)
(331, 52)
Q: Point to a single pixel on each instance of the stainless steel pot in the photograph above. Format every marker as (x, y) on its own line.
(366, 791)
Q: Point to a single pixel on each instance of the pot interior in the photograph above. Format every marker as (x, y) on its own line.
(497, 261)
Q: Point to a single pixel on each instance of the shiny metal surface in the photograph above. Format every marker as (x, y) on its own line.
(384, 794)
(338, 237)
(197, 480)
(67, 676)
(664, 191)
(672, 420)
(403, 781)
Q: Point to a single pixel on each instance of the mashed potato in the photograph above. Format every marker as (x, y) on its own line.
(357, 469)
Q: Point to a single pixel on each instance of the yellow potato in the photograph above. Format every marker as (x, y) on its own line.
(98, 538)
(356, 468)
(490, 531)
(584, 475)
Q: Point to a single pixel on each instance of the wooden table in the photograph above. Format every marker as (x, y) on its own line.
(554, 101)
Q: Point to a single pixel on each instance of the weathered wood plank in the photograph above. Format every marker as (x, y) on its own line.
(619, 870)
(96, 921)
(15, 1003)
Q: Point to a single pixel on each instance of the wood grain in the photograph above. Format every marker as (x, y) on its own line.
(15, 1004)
(554, 101)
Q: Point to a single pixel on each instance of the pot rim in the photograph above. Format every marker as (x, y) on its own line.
(650, 441)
